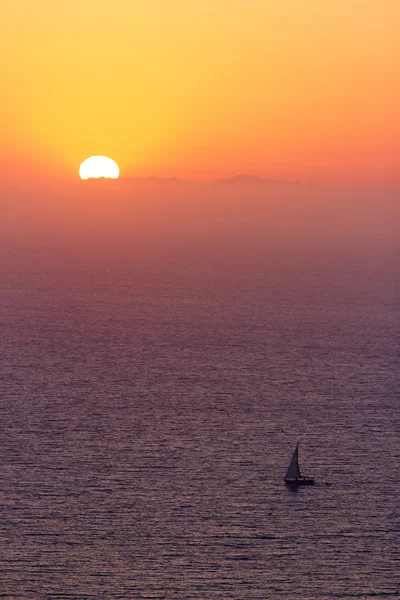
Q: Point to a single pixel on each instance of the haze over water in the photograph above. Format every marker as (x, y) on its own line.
(158, 368)
(165, 343)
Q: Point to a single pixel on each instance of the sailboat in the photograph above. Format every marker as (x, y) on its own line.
(293, 476)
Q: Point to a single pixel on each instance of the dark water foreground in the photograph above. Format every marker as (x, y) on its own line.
(147, 422)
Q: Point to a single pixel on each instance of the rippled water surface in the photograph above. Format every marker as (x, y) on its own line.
(147, 421)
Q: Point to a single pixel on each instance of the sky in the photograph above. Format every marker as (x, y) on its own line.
(296, 89)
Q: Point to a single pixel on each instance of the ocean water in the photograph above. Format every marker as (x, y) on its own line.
(148, 416)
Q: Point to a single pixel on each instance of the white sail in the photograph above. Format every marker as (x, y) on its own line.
(293, 471)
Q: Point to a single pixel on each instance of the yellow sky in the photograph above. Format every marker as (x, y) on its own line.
(298, 88)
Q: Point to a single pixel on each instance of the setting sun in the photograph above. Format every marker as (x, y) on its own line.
(209, 301)
(99, 166)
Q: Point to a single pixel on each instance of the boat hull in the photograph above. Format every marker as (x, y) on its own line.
(300, 481)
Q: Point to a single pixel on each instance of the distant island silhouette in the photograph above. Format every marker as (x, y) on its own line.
(236, 180)
(252, 180)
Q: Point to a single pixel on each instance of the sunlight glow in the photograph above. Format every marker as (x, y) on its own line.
(99, 166)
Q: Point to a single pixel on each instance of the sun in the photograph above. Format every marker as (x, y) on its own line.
(98, 166)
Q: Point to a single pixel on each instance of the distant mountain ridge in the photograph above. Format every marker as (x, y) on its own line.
(251, 180)
(242, 179)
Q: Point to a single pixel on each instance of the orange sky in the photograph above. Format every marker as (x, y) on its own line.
(299, 89)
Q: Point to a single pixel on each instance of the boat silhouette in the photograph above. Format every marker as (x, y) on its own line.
(293, 476)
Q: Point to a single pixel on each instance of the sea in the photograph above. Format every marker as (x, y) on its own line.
(150, 409)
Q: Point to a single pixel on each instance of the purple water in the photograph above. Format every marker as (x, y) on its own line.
(149, 413)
